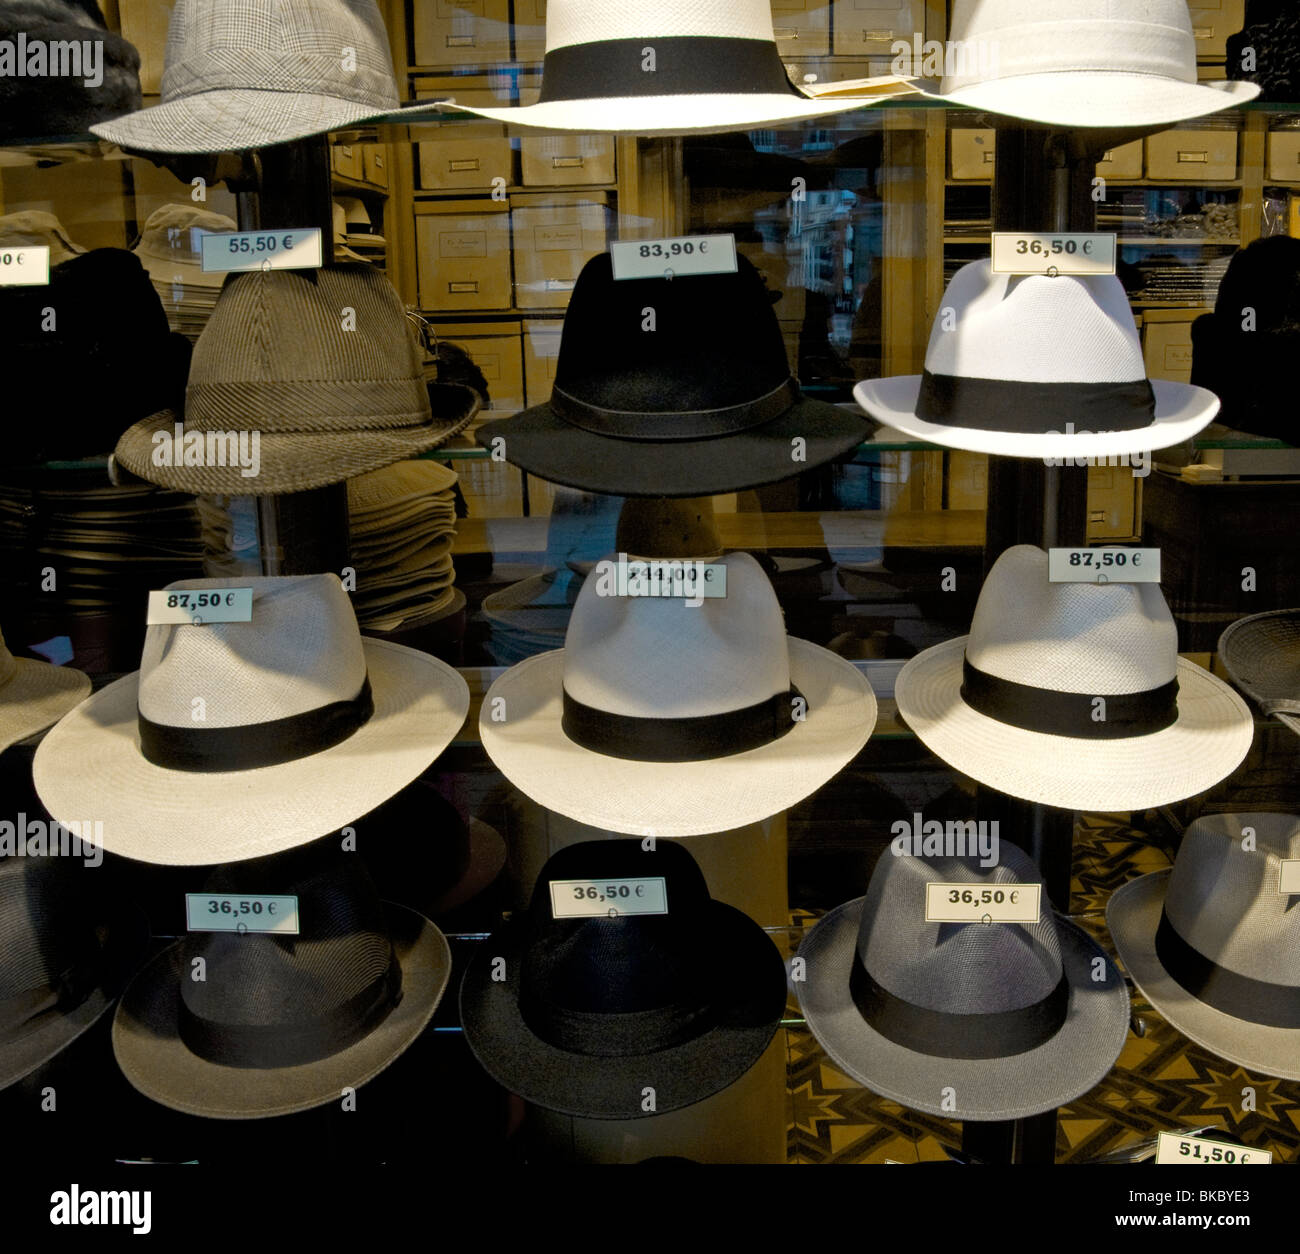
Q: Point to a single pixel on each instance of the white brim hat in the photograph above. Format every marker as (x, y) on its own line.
(35, 695)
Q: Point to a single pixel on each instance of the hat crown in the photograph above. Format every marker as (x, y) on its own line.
(281, 353)
(956, 968)
(1035, 329)
(659, 657)
(335, 48)
(1223, 899)
(581, 22)
(715, 342)
(1152, 37)
(286, 986)
(300, 651)
(1097, 639)
(170, 231)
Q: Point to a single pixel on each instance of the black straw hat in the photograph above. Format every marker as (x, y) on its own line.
(281, 1022)
(673, 387)
(596, 1009)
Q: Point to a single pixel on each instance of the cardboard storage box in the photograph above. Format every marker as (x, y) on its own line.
(461, 32)
(870, 27)
(1192, 156)
(1284, 156)
(347, 161)
(1167, 343)
(1124, 162)
(529, 29)
(144, 24)
(555, 235)
(972, 153)
(463, 254)
(374, 162)
(541, 353)
(802, 27)
(498, 352)
(452, 156)
(1213, 21)
(551, 160)
(1112, 502)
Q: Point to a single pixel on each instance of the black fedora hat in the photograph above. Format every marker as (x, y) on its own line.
(281, 1022)
(65, 955)
(596, 1008)
(702, 403)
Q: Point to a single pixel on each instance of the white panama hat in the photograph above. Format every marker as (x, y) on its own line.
(662, 718)
(1073, 695)
(305, 727)
(1037, 366)
(673, 67)
(1090, 63)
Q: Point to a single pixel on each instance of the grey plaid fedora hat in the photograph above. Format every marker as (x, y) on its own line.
(1214, 944)
(1010, 1019)
(249, 73)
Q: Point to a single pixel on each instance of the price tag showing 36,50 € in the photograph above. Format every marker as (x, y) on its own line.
(982, 903)
(224, 912)
(1034, 252)
(589, 899)
(299, 249)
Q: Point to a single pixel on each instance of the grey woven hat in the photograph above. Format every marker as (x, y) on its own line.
(327, 395)
(1262, 657)
(248, 73)
(1214, 944)
(1008, 1020)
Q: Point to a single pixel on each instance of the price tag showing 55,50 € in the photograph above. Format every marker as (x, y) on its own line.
(299, 249)
(589, 899)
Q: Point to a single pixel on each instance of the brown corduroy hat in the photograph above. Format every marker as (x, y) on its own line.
(300, 379)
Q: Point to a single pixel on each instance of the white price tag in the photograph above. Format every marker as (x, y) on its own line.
(220, 605)
(660, 577)
(1288, 880)
(588, 899)
(1171, 1147)
(299, 249)
(688, 254)
(25, 267)
(1101, 565)
(221, 912)
(997, 903)
(1039, 252)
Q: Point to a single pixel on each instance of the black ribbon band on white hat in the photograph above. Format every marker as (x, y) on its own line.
(681, 739)
(1034, 408)
(682, 424)
(941, 1034)
(1052, 713)
(251, 745)
(294, 1043)
(1256, 1001)
(682, 65)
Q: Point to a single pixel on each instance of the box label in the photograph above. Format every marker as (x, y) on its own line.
(557, 238)
(462, 244)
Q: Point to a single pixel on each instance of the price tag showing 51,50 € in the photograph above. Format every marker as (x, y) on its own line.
(589, 899)
(299, 249)
(1173, 1147)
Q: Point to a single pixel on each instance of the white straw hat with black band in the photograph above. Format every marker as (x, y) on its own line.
(237, 740)
(1214, 944)
(1098, 63)
(1037, 366)
(1009, 1019)
(672, 67)
(663, 718)
(1073, 695)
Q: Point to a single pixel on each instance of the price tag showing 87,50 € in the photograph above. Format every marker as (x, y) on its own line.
(223, 912)
(299, 249)
(220, 605)
(589, 899)
(1099, 565)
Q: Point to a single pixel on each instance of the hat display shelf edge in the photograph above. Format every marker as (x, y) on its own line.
(299, 533)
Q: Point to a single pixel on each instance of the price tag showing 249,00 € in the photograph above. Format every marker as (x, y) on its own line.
(1033, 252)
(982, 903)
(299, 249)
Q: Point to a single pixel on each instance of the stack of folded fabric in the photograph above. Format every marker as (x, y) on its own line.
(171, 251)
(358, 234)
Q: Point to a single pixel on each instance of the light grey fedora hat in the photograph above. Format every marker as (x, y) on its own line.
(1214, 944)
(249, 73)
(1261, 654)
(1005, 1020)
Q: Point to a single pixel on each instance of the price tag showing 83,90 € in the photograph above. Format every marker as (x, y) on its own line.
(689, 254)
(588, 899)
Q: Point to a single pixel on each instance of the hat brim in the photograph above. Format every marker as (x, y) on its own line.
(592, 1087)
(1076, 1059)
(125, 941)
(487, 859)
(1182, 411)
(539, 441)
(91, 764)
(148, 1047)
(675, 798)
(1133, 916)
(36, 697)
(234, 119)
(164, 272)
(1098, 98)
(299, 461)
(1211, 736)
(703, 114)
(1254, 651)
